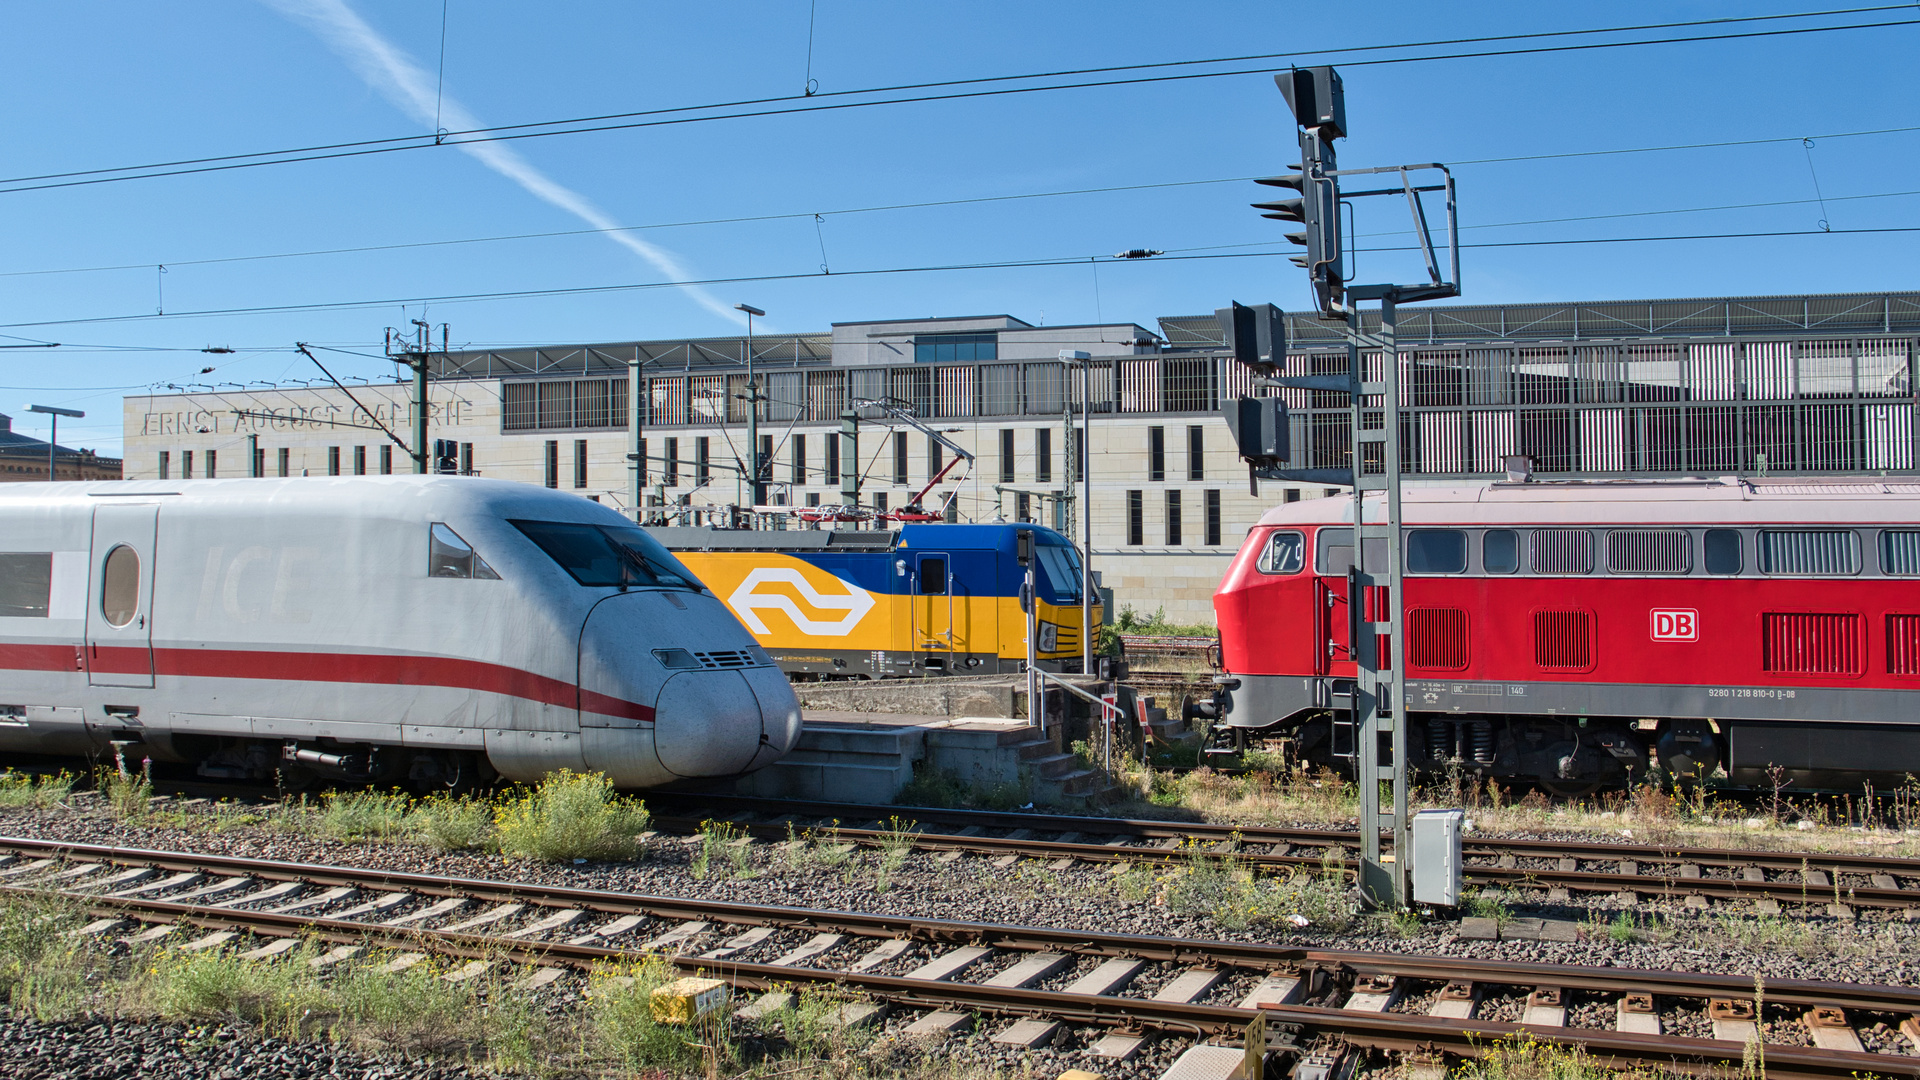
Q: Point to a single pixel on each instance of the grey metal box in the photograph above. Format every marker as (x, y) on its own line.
(1436, 857)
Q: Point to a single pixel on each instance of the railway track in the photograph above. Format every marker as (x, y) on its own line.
(1836, 883)
(1108, 993)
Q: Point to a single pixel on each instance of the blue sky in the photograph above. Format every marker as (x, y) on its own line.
(93, 84)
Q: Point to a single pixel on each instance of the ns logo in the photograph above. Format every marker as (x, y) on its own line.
(747, 601)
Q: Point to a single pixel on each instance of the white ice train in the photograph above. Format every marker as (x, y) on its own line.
(432, 630)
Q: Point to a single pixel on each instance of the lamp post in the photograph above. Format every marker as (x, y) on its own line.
(54, 413)
(1083, 460)
(755, 488)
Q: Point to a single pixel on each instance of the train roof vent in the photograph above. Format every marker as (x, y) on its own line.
(1649, 551)
(1562, 551)
(1563, 640)
(1810, 643)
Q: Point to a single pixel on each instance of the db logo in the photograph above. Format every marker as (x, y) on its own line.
(1676, 624)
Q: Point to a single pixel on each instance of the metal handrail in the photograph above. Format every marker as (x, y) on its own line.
(1111, 710)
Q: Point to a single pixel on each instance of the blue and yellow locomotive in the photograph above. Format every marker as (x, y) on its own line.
(918, 600)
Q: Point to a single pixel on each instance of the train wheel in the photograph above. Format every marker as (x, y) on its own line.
(294, 779)
(455, 773)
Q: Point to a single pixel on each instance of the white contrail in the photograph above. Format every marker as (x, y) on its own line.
(411, 88)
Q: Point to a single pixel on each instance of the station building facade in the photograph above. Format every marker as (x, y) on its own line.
(1776, 385)
(23, 459)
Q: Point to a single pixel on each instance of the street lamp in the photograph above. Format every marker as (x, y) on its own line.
(54, 413)
(1083, 459)
(756, 488)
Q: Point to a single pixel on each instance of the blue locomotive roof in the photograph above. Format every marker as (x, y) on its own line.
(995, 537)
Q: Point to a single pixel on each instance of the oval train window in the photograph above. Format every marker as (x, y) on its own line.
(120, 586)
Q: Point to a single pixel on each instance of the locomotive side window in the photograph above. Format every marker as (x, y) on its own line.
(603, 555)
(933, 575)
(1436, 551)
(1722, 549)
(449, 556)
(1649, 551)
(26, 584)
(120, 586)
(1562, 551)
(1899, 552)
(1500, 551)
(1333, 552)
(1808, 551)
(1284, 553)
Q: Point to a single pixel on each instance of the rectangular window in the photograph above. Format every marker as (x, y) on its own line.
(1043, 455)
(1649, 551)
(1436, 551)
(1899, 551)
(1500, 551)
(1022, 506)
(1563, 640)
(899, 457)
(1562, 551)
(933, 458)
(1136, 518)
(26, 584)
(880, 501)
(799, 459)
(286, 461)
(763, 469)
(213, 464)
(466, 459)
(165, 465)
(1437, 639)
(386, 460)
(553, 463)
(1808, 551)
(640, 463)
(1196, 452)
(1293, 495)
(259, 462)
(1809, 643)
(813, 498)
(702, 460)
(671, 474)
(359, 461)
(1722, 550)
(333, 461)
(1076, 455)
(1903, 644)
(833, 457)
(1333, 552)
(955, 348)
(1213, 517)
(579, 463)
(1173, 519)
(1156, 453)
(1006, 455)
(186, 464)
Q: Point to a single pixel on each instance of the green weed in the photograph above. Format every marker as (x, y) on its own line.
(723, 852)
(363, 815)
(570, 815)
(453, 824)
(38, 792)
(896, 843)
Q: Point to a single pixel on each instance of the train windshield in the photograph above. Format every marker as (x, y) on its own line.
(1060, 565)
(600, 555)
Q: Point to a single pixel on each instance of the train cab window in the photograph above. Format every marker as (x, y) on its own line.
(1060, 569)
(1722, 551)
(933, 575)
(449, 556)
(1436, 551)
(1562, 551)
(606, 555)
(1899, 552)
(1500, 551)
(1284, 553)
(26, 584)
(1807, 551)
(1333, 552)
(120, 586)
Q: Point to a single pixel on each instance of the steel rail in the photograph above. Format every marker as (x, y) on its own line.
(1400, 1031)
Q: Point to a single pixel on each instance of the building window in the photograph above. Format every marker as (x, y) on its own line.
(640, 464)
(1043, 455)
(186, 464)
(799, 460)
(880, 502)
(1076, 455)
(386, 460)
(833, 457)
(899, 457)
(553, 463)
(286, 461)
(1331, 492)
(1196, 452)
(1213, 517)
(579, 463)
(955, 348)
(702, 460)
(333, 461)
(1006, 455)
(359, 461)
(1022, 506)
(1136, 519)
(165, 465)
(1156, 453)
(1173, 519)
(1293, 495)
(213, 464)
(466, 459)
(671, 474)
(813, 498)
(933, 458)
(259, 462)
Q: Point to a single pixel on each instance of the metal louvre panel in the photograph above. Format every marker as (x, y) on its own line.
(953, 394)
(1603, 440)
(1889, 433)
(1769, 374)
(1903, 644)
(1809, 643)
(593, 405)
(1046, 386)
(786, 395)
(1439, 442)
(1562, 551)
(1140, 386)
(518, 412)
(826, 394)
(1825, 368)
(1900, 551)
(1437, 639)
(868, 384)
(1563, 640)
(1492, 438)
(1189, 385)
(1883, 369)
(555, 404)
(914, 386)
(1710, 371)
(1649, 551)
(1808, 551)
(999, 389)
(668, 403)
(708, 397)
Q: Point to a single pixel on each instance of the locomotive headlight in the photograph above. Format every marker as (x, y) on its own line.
(1049, 637)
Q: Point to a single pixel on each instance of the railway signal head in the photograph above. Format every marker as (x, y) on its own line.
(1257, 335)
(1319, 108)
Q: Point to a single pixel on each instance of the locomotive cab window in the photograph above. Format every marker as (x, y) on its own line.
(1808, 551)
(26, 584)
(120, 586)
(448, 556)
(1284, 554)
(1500, 551)
(1436, 551)
(605, 555)
(1722, 550)
(1899, 552)
(1059, 571)
(1333, 552)
(933, 575)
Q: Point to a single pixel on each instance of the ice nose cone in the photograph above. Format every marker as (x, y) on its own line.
(779, 714)
(707, 723)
